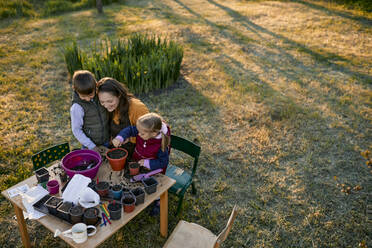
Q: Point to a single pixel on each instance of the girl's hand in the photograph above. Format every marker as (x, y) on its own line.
(116, 142)
(141, 162)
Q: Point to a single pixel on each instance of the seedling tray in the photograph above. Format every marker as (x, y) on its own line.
(63, 211)
(39, 205)
(69, 221)
(52, 204)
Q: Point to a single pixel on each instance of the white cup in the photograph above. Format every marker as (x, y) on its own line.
(79, 233)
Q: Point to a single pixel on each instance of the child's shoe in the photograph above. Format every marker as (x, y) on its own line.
(155, 211)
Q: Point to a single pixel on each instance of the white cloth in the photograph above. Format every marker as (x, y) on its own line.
(77, 184)
(88, 198)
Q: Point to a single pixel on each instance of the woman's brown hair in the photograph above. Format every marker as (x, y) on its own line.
(115, 88)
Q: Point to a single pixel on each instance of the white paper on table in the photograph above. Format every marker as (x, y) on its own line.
(31, 197)
(74, 187)
(16, 191)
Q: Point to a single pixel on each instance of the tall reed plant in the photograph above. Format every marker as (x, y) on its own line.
(142, 62)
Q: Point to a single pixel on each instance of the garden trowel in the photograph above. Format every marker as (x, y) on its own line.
(139, 177)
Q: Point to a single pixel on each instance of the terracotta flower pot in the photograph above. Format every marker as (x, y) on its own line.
(103, 188)
(117, 158)
(129, 202)
(134, 168)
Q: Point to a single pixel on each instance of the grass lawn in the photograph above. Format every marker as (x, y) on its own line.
(278, 95)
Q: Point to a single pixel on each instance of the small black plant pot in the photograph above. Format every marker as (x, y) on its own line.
(63, 211)
(42, 175)
(52, 204)
(92, 185)
(114, 211)
(150, 185)
(91, 216)
(76, 214)
(126, 190)
(139, 193)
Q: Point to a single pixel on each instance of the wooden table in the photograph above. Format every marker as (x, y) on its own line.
(105, 174)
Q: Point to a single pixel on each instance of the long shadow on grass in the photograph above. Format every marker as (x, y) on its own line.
(317, 56)
(363, 79)
(313, 176)
(264, 59)
(363, 20)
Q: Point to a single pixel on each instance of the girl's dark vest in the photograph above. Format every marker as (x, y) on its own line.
(148, 149)
(95, 122)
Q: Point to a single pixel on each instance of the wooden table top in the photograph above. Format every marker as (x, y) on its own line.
(105, 173)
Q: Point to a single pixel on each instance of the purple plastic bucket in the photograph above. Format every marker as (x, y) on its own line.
(76, 158)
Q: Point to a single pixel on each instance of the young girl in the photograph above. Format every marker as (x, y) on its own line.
(152, 141)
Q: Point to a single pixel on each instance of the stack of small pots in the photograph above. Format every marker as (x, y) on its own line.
(42, 176)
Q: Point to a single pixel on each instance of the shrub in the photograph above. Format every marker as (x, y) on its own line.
(73, 58)
(142, 62)
(27, 8)
(12, 8)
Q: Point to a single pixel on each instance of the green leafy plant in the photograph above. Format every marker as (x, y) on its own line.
(73, 58)
(142, 62)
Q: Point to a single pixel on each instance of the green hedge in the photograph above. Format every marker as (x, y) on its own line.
(41, 8)
(142, 62)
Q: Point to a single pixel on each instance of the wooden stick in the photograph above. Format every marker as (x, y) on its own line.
(164, 214)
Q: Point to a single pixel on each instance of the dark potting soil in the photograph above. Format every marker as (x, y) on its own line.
(116, 188)
(63, 176)
(143, 169)
(85, 165)
(150, 181)
(102, 186)
(116, 154)
(91, 213)
(65, 207)
(54, 201)
(41, 171)
(134, 165)
(128, 200)
(114, 207)
(92, 185)
(137, 191)
(76, 210)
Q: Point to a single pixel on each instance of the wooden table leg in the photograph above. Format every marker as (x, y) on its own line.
(164, 214)
(22, 226)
